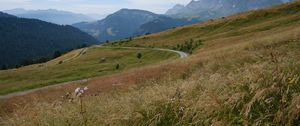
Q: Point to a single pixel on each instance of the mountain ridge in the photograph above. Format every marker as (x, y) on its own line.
(50, 15)
(123, 24)
(209, 9)
(5, 15)
(37, 38)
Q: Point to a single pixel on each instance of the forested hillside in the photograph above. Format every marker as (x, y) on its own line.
(30, 39)
(5, 15)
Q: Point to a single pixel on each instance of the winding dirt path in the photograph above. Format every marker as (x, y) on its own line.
(180, 53)
(78, 55)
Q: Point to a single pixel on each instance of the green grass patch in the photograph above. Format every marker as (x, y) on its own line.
(97, 61)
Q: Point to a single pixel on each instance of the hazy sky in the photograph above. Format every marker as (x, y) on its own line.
(92, 6)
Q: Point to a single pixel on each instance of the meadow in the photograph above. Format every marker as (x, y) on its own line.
(247, 72)
(77, 65)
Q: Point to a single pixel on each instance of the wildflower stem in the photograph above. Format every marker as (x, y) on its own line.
(82, 111)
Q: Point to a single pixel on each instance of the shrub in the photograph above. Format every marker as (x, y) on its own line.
(188, 46)
(117, 66)
(102, 60)
(139, 55)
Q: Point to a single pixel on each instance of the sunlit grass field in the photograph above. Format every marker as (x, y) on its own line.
(96, 61)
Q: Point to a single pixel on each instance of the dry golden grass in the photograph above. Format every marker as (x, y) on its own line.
(245, 79)
(97, 85)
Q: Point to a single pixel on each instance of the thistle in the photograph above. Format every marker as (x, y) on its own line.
(79, 92)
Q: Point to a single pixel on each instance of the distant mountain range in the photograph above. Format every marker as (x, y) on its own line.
(129, 22)
(162, 23)
(31, 39)
(38, 38)
(208, 9)
(50, 15)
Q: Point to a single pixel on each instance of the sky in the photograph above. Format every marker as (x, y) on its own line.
(101, 7)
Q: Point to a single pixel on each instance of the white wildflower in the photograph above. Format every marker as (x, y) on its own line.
(269, 100)
(85, 88)
(80, 91)
(77, 90)
(79, 94)
(298, 106)
(181, 109)
(172, 99)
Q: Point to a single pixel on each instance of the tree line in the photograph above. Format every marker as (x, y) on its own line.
(29, 41)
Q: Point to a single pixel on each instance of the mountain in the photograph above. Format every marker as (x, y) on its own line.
(176, 9)
(162, 23)
(118, 25)
(126, 23)
(208, 9)
(31, 39)
(6, 15)
(50, 15)
(96, 16)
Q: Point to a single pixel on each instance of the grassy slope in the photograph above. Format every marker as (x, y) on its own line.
(85, 66)
(236, 25)
(247, 73)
